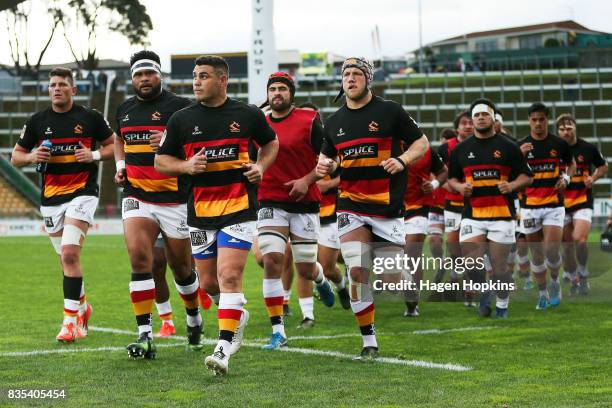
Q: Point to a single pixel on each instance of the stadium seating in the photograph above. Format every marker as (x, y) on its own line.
(13, 204)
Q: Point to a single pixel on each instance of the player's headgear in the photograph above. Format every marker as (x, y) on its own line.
(145, 61)
(483, 105)
(360, 63)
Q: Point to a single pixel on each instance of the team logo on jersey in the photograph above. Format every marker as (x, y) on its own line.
(125, 118)
(343, 220)
(471, 156)
(156, 116)
(78, 129)
(196, 131)
(23, 130)
(48, 131)
(497, 154)
(222, 153)
(49, 222)
(580, 158)
(530, 155)
(373, 127)
(309, 227)
(553, 153)
(486, 174)
(198, 238)
(340, 133)
(234, 127)
(182, 227)
(360, 151)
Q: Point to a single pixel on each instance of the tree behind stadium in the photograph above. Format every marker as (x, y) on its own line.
(81, 21)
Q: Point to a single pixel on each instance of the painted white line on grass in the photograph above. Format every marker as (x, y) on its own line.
(386, 360)
(75, 350)
(428, 331)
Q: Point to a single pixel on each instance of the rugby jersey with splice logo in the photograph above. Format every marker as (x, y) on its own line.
(587, 157)
(484, 163)
(363, 138)
(135, 120)
(222, 195)
(66, 178)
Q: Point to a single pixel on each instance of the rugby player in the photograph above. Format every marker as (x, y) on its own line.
(579, 203)
(153, 203)
(485, 170)
(542, 211)
(69, 195)
(289, 202)
(454, 201)
(419, 192)
(364, 138)
(209, 142)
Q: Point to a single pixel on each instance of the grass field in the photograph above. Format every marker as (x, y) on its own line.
(556, 358)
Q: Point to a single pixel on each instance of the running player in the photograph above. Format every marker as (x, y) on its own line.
(153, 202)
(485, 170)
(579, 203)
(454, 201)
(364, 138)
(289, 202)
(542, 211)
(209, 142)
(418, 194)
(69, 195)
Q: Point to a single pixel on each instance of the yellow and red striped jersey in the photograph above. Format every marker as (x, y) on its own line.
(587, 157)
(65, 178)
(548, 160)
(222, 195)
(484, 163)
(363, 138)
(135, 120)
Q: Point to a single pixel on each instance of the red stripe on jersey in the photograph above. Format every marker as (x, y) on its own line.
(65, 179)
(213, 193)
(383, 143)
(365, 186)
(488, 201)
(141, 128)
(145, 172)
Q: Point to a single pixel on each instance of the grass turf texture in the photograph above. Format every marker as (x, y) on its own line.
(557, 358)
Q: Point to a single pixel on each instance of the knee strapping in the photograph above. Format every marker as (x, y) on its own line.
(356, 254)
(72, 235)
(304, 251)
(271, 241)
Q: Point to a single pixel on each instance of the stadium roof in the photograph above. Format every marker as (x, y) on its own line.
(102, 64)
(7, 4)
(567, 25)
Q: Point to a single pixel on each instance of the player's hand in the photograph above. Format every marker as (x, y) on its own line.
(504, 187)
(325, 166)
(588, 182)
(121, 177)
(526, 148)
(196, 164)
(561, 185)
(40, 154)
(83, 154)
(427, 187)
(253, 172)
(393, 165)
(299, 189)
(155, 139)
(466, 189)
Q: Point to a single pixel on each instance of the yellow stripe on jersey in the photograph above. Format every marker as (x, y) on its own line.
(491, 212)
(536, 201)
(170, 184)
(139, 148)
(327, 210)
(380, 198)
(69, 158)
(367, 162)
(51, 190)
(569, 202)
(221, 207)
(229, 165)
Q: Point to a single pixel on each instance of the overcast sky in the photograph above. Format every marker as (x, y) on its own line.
(340, 26)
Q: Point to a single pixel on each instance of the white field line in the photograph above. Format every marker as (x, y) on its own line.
(428, 331)
(387, 360)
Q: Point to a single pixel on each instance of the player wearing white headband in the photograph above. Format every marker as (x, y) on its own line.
(152, 204)
(365, 138)
(542, 211)
(485, 170)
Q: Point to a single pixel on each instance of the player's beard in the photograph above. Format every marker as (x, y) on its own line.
(360, 96)
(155, 90)
(484, 130)
(282, 107)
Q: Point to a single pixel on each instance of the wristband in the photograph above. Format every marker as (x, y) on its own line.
(566, 178)
(401, 162)
(120, 165)
(435, 184)
(96, 155)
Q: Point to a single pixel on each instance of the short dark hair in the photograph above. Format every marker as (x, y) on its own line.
(309, 105)
(538, 107)
(563, 119)
(218, 63)
(447, 133)
(144, 54)
(485, 101)
(464, 114)
(62, 72)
